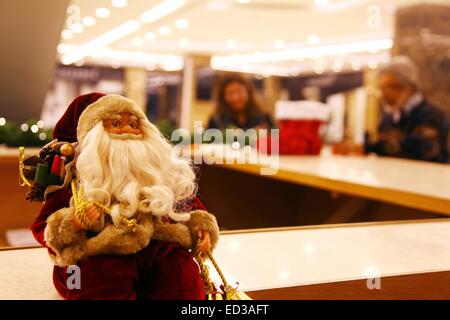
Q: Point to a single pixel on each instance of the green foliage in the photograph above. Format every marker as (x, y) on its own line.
(166, 128)
(12, 135)
(185, 137)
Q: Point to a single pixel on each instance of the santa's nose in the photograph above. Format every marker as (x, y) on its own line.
(129, 130)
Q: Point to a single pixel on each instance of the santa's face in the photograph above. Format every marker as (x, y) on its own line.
(123, 124)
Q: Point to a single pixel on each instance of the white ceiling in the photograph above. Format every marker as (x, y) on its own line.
(229, 27)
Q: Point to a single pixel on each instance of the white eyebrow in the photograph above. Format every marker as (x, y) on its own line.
(115, 117)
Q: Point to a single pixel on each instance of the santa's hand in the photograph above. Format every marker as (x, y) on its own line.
(91, 212)
(204, 241)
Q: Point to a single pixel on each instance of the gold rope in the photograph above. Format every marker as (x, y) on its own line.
(23, 180)
(230, 292)
(80, 207)
(207, 284)
(219, 271)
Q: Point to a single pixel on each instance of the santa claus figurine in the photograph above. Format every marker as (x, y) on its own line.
(125, 211)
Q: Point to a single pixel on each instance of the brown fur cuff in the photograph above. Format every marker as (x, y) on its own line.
(176, 232)
(70, 246)
(120, 239)
(202, 220)
(61, 236)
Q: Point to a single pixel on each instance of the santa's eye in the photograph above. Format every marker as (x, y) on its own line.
(133, 124)
(116, 123)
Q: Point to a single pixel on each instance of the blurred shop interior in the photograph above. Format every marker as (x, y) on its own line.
(169, 56)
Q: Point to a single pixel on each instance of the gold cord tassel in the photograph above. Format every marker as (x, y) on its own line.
(230, 292)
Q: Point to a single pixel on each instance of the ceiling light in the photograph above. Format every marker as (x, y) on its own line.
(119, 58)
(182, 23)
(313, 39)
(301, 53)
(319, 69)
(278, 44)
(295, 73)
(257, 69)
(89, 21)
(169, 67)
(102, 13)
(150, 36)
(161, 10)
(337, 66)
(243, 1)
(372, 63)
(119, 3)
(89, 48)
(184, 42)
(164, 30)
(231, 44)
(138, 42)
(101, 41)
(115, 65)
(77, 28)
(356, 65)
(79, 63)
(66, 34)
(64, 48)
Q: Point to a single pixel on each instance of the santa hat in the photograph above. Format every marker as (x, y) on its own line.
(87, 110)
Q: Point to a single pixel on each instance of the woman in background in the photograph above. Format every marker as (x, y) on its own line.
(237, 106)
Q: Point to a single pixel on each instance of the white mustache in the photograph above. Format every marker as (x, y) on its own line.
(126, 136)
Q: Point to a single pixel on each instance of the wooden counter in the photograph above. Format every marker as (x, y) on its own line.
(416, 184)
(15, 211)
(311, 190)
(328, 262)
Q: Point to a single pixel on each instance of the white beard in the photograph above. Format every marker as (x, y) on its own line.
(133, 175)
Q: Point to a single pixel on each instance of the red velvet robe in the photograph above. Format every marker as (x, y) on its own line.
(161, 271)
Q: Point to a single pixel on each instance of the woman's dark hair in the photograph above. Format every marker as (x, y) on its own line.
(254, 105)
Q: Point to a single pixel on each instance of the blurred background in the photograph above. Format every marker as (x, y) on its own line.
(170, 56)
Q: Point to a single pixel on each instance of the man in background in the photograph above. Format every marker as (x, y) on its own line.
(411, 127)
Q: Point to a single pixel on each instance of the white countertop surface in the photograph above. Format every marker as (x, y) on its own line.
(390, 173)
(303, 256)
(271, 259)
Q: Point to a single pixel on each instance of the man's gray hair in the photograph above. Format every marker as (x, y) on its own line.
(403, 69)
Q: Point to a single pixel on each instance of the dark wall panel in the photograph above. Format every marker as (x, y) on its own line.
(29, 35)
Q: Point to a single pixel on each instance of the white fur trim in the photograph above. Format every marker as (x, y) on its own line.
(301, 110)
(104, 108)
